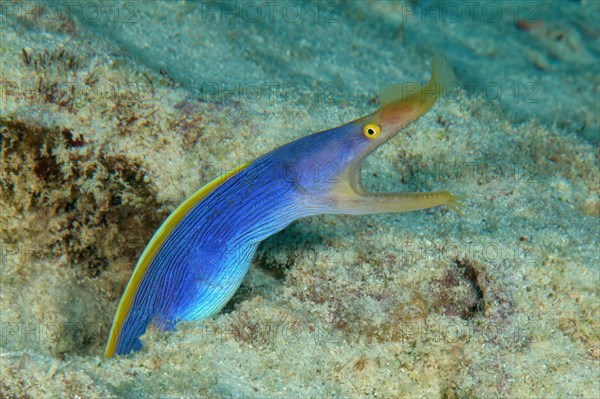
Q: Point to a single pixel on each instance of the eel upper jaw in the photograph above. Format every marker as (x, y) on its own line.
(391, 119)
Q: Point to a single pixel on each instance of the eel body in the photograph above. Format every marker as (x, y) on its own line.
(197, 259)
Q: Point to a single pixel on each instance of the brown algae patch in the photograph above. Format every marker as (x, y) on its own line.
(82, 203)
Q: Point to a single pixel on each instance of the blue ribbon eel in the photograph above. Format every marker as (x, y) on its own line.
(197, 259)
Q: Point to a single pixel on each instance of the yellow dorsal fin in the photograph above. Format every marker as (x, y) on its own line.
(152, 248)
(441, 77)
(397, 92)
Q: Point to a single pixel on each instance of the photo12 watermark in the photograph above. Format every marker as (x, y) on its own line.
(269, 11)
(465, 331)
(469, 11)
(488, 251)
(269, 92)
(69, 91)
(35, 332)
(12, 252)
(54, 11)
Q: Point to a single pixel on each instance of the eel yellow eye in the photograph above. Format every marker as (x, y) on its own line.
(371, 131)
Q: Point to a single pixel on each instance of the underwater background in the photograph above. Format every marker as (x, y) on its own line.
(113, 113)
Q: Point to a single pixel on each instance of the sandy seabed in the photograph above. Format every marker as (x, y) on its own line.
(112, 115)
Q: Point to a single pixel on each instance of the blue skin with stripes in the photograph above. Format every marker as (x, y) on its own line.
(204, 259)
(190, 271)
